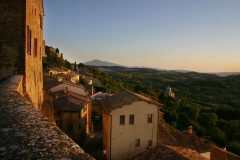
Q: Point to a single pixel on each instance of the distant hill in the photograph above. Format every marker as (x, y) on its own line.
(97, 62)
(126, 69)
(112, 67)
(225, 74)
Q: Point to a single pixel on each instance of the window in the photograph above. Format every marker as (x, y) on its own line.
(150, 143)
(131, 119)
(35, 47)
(41, 21)
(122, 119)
(40, 52)
(29, 38)
(149, 118)
(35, 78)
(137, 142)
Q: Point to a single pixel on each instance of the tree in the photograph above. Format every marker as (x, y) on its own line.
(218, 135)
(191, 111)
(235, 147)
(75, 67)
(80, 65)
(57, 50)
(208, 119)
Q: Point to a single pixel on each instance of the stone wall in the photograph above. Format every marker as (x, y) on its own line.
(26, 134)
(33, 53)
(12, 23)
(21, 44)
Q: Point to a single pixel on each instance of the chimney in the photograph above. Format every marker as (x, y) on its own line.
(190, 129)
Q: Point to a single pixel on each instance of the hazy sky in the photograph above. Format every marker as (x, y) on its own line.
(200, 35)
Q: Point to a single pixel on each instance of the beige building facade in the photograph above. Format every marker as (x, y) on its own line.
(129, 127)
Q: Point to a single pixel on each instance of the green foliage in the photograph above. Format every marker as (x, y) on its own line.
(191, 111)
(235, 147)
(208, 120)
(52, 60)
(207, 102)
(218, 135)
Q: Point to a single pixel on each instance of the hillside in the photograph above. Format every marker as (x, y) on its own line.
(53, 58)
(208, 102)
(100, 63)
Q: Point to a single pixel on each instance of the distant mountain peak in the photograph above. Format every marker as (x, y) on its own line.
(97, 62)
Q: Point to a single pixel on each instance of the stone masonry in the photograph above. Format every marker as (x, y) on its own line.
(26, 134)
(21, 44)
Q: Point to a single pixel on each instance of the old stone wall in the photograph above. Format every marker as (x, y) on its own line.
(21, 44)
(34, 51)
(12, 24)
(26, 134)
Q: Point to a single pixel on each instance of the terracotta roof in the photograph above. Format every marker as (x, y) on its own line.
(159, 152)
(49, 83)
(162, 152)
(177, 138)
(69, 104)
(175, 145)
(124, 98)
(187, 152)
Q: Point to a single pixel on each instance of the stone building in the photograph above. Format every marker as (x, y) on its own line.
(22, 45)
(72, 116)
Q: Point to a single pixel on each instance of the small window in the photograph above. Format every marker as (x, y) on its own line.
(149, 118)
(122, 119)
(35, 47)
(137, 142)
(29, 38)
(150, 143)
(41, 21)
(131, 119)
(35, 78)
(40, 52)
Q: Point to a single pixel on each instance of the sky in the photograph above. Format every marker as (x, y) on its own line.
(197, 35)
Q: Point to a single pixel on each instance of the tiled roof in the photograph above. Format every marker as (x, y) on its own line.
(50, 82)
(187, 152)
(159, 152)
(181, 139)
(124, 98)
(69, 104)
(26, 134)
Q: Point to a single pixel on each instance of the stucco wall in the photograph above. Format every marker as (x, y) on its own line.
(71, 118)
(123, 137)
(106, 135)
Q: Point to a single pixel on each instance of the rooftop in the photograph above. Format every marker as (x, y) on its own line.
(69, 104)
(124, 98)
